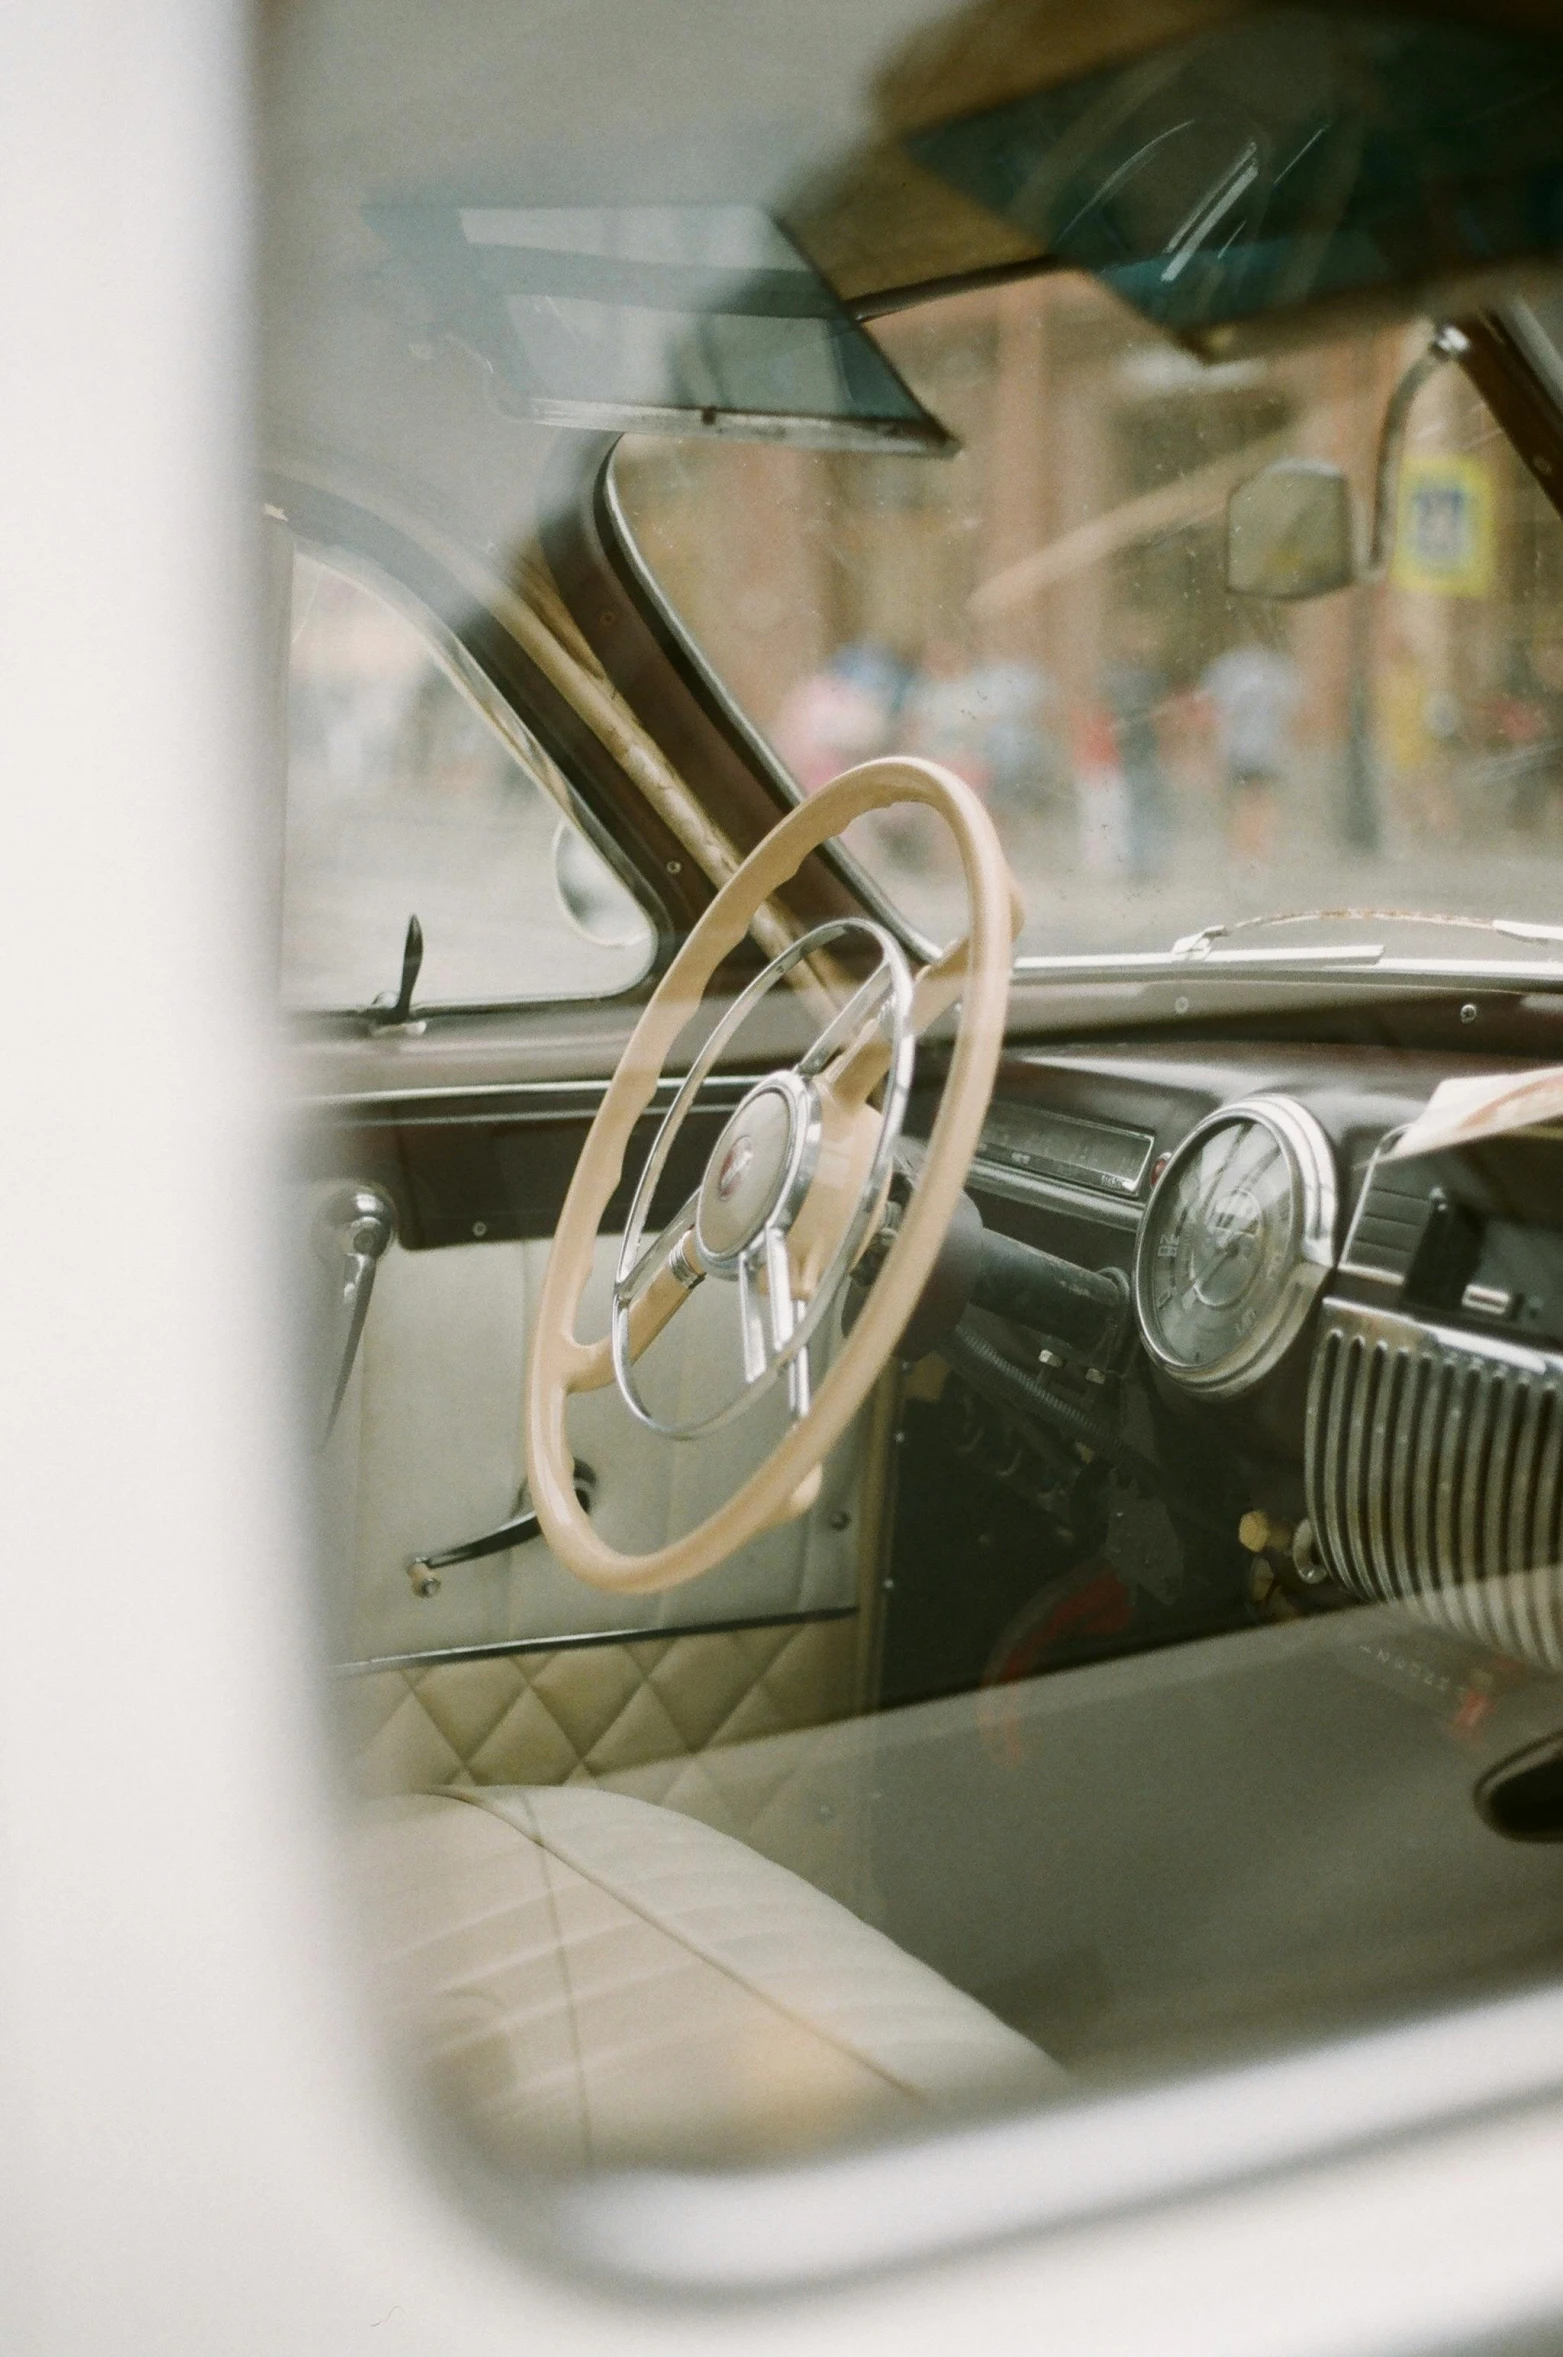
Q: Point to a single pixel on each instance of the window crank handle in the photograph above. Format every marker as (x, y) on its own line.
(424, 1570)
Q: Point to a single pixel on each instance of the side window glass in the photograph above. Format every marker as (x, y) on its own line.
(406, 798)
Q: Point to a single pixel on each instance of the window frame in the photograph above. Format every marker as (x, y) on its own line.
(745, 785)
(1184, 2147)
(470, 643)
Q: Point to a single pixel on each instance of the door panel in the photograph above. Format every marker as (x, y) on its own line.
(427, 1452)
(586, 1713)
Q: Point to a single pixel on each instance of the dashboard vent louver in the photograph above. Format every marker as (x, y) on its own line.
(1435, 1476)
(1389, 1222)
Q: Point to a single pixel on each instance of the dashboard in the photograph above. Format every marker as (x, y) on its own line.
(1363, 1355)
(1206, 1174)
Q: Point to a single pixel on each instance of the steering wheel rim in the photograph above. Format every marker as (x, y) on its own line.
(975, 971)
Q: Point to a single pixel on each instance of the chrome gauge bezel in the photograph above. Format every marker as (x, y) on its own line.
(1310, 1163)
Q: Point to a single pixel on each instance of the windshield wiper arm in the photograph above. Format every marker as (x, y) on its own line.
(1203, 943)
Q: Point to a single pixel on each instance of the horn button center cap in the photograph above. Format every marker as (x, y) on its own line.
(756, 1171)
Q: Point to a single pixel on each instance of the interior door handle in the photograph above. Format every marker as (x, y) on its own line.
(354, 1226)
(424, 1570)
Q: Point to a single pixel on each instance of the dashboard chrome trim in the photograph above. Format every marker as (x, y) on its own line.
(583, 1640)
(1018, 1186)
(1077, 1171)
(1316, 1197)
(575, 1097)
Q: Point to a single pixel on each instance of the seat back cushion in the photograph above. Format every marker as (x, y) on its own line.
(592, 1980)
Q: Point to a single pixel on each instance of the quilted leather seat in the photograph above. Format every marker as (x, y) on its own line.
(593, 1980)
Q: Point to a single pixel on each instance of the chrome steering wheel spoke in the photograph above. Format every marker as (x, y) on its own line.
(767, 1324)
(845, 1028)
(751, 1322)
(735, 1227)
(786, 1315)
(668, 1251)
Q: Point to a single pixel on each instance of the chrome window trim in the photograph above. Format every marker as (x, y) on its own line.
(352, 1101)
(578, 1640)
(1153, 965)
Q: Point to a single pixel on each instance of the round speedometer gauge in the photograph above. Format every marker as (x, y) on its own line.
(1236, 1241)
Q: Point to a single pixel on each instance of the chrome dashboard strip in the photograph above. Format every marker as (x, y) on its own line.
(578, 1640)
(1160, 965)
(1056, 1194)
(538, 1097)
(587, 1092)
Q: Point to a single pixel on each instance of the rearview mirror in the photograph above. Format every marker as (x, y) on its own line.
(1289, 532)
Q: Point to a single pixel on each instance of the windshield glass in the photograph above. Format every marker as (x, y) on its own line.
(1048, 614)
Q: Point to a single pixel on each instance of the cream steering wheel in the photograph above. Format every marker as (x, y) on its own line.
(792, 1190)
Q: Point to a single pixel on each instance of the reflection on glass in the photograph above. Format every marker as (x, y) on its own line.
(1291, 158)
(666, 316)
(1037, 1887)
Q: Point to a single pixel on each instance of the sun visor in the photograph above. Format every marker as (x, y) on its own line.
(675, 319)
(1242, 175)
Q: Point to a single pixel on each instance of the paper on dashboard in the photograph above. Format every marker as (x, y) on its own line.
(1492, 1105)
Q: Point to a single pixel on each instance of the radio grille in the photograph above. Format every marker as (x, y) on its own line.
(1435, 1476)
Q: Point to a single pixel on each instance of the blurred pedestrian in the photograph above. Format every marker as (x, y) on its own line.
(1101, 794)
(945, 718)
(1011, 702)
(1529, 724)
(1133, 688)
(1254, 691)
(841, 714)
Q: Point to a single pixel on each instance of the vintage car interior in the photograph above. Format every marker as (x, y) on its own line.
(921, 914)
